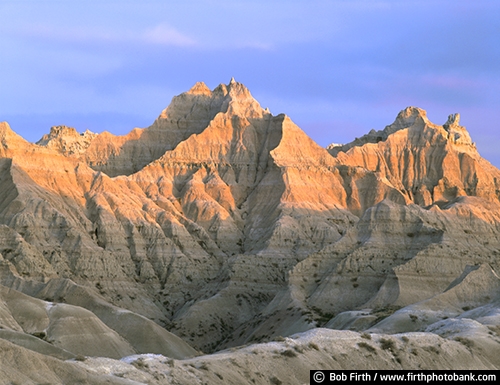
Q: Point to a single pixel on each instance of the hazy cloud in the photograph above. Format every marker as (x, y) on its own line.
(166, 35)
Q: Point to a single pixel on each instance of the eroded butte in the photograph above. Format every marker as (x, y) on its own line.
(221, 226)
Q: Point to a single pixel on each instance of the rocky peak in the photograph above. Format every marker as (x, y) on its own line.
(57, 132)
(9, 139)
(189, 113)
(413, 117)
(407, 118)
(453, 119)
(426, 161)
(457, 133)
(239, 101)
(199, 100)
(67, 140)
(232, 91)
(4, 129)
(200, 88)
(238, 90)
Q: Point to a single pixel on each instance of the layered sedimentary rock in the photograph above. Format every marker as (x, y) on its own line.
(222, 224)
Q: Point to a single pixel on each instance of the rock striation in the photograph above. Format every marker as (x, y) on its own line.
(222, 225)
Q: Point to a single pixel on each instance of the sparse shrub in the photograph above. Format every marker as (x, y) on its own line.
(387, 344)
(413, 317)
(405, 339)
(289, 353)
(431, 349)
(42, 335)
(275, 381)
(385, 312)
(367, 346)
(469, 344)
(366, 336)
(313, 345)
(140, 364)
(170, 362)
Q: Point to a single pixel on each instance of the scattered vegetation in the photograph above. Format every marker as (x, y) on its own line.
(385, 312)
(289, 353)
(170, 362)
(367, 346)
(469, 344)
(42, 335)
(387, 344)
(140, 363)
(366, 336)
(313, 345)
(494, 330)
(322, 317)
(275, 381)
(431, 349)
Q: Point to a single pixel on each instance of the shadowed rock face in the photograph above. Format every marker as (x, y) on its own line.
(226, 225)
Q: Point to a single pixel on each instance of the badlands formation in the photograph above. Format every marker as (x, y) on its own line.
(222, 245)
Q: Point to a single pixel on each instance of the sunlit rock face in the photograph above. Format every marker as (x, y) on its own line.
(221, 225)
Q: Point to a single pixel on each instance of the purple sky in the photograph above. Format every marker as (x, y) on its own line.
(337, 68)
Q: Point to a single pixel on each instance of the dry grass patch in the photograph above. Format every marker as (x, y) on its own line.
(289, 353)
(367, 346)
(469, 344)
(387, 344)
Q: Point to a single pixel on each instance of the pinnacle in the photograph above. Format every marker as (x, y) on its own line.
(200, 88)
(4, 126)
(410, 114)
(457, 133)
(237, 89)
(6, 130)
(453, 119)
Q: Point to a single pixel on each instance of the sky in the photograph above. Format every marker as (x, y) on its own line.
(338, 68)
